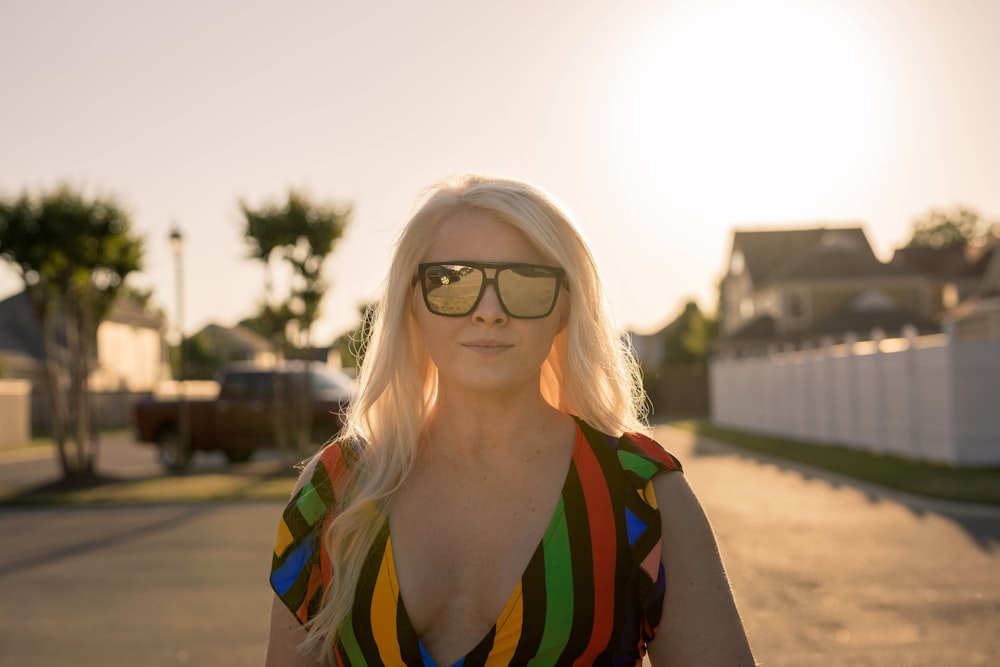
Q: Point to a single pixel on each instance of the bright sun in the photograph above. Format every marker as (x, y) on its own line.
(760, 111)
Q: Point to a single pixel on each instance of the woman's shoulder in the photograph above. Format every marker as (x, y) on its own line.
(329, 468)
(636, 452)
(298, 560)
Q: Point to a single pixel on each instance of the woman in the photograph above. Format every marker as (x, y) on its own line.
(493, 498)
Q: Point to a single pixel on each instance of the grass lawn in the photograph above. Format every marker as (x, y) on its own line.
(204, 487)
(972, 484)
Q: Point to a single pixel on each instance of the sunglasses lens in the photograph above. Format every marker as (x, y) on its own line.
(527, 291)
(452, 289)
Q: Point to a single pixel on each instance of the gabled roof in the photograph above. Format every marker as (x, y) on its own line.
(990, 283)
(762, 328)
(786, 255)
(238, 338)
(952, 262)
(18, 328)
(128, 311)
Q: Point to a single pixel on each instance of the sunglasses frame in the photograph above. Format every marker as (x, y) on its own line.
(559, 274)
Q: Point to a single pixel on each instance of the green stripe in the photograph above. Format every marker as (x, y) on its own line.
(558, 586)
(637, 464)
(349, 642)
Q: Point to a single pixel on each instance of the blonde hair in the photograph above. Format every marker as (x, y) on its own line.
(590, 371)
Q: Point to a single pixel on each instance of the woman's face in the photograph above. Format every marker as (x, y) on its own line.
(487, 350)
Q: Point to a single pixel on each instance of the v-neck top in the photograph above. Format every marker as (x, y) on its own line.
(592, 593)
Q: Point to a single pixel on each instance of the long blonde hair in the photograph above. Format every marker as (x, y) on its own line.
(590, 371)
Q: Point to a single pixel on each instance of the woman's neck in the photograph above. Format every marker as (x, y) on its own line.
(476, 428)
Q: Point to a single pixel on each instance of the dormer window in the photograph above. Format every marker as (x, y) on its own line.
(949, 295)
(737, 263)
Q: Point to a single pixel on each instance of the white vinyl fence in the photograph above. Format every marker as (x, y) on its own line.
(930, 398)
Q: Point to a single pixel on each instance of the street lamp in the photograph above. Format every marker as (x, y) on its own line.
(178, 458)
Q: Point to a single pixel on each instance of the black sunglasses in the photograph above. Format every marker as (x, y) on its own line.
(525, 291)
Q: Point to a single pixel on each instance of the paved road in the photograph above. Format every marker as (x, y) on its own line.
(826, 571)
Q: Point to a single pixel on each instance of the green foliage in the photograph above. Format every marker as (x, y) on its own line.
(67, 245)
(202, 360)
(73, 254)
(688, 339)
(940, 228)
(302, 233)
(271, 322)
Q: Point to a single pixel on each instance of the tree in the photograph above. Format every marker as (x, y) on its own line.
(960, 226)
(688, 339)
(303, 233)
(73, 255)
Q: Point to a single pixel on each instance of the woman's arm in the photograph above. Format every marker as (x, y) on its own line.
(287, 635)
(701, 626)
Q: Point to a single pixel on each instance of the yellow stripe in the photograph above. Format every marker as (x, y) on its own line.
(649, 495)
(508, 631)
(384, 604)
(283, 540)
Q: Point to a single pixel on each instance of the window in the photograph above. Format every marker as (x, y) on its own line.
(737, 263)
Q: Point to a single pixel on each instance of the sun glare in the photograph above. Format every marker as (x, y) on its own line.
(737, 111)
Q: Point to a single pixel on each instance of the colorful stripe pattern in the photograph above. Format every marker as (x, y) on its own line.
(591, 595)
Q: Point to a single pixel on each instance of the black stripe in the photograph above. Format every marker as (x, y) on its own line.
(582, 557)
(482, 651)
(362, 610)
(409, 643)
(533, 608)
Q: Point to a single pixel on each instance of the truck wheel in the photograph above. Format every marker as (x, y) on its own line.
(175, 456)
(238, 455)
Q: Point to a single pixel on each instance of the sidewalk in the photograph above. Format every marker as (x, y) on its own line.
(129, 472)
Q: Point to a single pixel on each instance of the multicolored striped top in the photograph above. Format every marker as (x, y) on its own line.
(591, 595)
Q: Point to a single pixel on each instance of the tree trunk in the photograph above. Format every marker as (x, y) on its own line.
(55, 387)
(79, 463)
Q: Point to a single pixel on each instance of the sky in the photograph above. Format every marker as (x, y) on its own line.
(660, 125)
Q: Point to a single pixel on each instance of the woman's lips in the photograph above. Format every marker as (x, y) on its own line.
(486, 346)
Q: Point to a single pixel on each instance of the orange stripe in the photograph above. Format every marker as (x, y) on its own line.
(508, 631)
(604, 544)
(385, 600)
(311, 587)
(333, 460)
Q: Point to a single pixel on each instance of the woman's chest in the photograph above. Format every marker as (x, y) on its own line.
(459, 554)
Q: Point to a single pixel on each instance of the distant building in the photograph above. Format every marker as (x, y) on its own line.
(977, 317)
(239, 343)
(130, 353)
(805, 285)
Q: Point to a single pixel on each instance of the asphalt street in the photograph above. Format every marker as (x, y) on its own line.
(826, 571)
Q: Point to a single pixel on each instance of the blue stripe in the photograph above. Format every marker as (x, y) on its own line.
(634, 525)
(284, 577)
(429, 661)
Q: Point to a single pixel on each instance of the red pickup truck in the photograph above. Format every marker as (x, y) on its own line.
(241, 419)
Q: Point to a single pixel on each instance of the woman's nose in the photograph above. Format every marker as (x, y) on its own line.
(489, 310)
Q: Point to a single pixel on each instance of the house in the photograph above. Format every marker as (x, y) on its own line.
(801, 286)
(822, 342)
(130, 351)
(955, 270)
(977, 317)
(235, 344)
